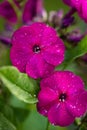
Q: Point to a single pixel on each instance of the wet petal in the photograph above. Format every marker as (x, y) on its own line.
(38, 29)
(77, 4)
(54, 54)
(50, 81)
(70, 82)
(49, 36)
(64, 81)
(77, 104)
(59, 115)
(74, 83)
(46, 99)
(23, 36)
(29, 35)
(37, 67)
(19, 56)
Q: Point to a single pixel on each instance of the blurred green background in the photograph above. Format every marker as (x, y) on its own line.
(33, 120)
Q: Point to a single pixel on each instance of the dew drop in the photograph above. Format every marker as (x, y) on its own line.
(53, 124)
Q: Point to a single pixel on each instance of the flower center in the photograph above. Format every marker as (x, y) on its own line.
(62, 97)
(36, 49)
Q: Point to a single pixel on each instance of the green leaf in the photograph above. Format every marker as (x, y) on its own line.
(19, 84)
(72, 54)
(35, 121)
(5, 124)
(78, 51)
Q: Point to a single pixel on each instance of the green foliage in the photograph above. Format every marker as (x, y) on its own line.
(5, 124)
(74, 53)
(35, 121)
(7, 111)
(78, 51)
(19, 84)
(54, 5)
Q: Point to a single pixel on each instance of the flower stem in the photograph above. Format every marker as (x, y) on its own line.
(47, 126)
(17, 11)
(70, 13)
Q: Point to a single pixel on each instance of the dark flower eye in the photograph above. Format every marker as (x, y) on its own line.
(62, 97)
(36, 49)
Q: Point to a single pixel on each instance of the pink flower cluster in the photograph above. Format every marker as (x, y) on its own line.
(37, 50)
(80, 6)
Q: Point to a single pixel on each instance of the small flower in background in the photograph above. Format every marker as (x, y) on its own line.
(68, 19)
(36, 50)
(7, 11)
(5, 36)
(80, 6)
(75, 36)
(66, 22)
(58, 20)
(62, 98)
(55, 17)
(34, 10)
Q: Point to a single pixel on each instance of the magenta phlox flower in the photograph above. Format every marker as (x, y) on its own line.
(80, 6)
(7, 11)
(62, 98)
(37, 49)
(5, 36)
(32, 9)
